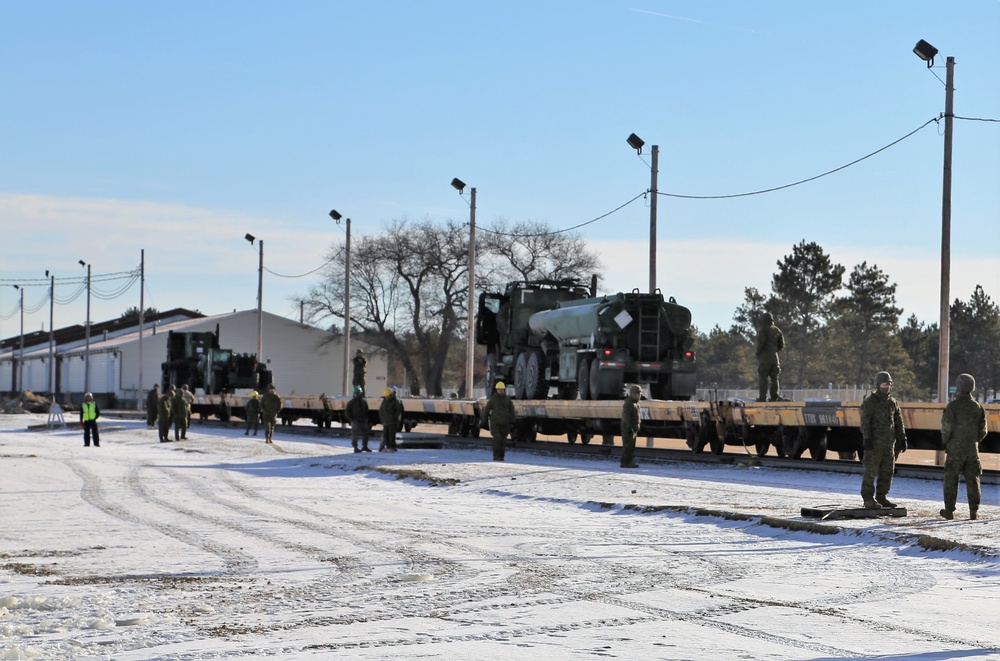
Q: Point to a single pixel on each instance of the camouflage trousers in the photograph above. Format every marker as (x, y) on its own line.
(499, 434)
(879, 462)
(628, 446)
(768, 371)
(969, 467)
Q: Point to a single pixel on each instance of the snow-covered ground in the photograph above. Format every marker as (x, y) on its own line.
(224, 547)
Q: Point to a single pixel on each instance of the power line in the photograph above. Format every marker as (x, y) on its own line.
(802, 181)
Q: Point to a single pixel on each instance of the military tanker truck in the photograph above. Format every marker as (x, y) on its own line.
(556, 334)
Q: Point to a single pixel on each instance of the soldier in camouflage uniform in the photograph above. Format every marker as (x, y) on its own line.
(360, 367)
(963, 426)
(883, 433)
(164, 414)
(270, 407)
(499, 413)
(252, 414)
(630, 426)
(151, 402)
(390, 414)
(182, 413)
(769, 342)
(357, 415)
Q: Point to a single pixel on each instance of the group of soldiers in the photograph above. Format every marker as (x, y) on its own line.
(963, 428)
(173, 406)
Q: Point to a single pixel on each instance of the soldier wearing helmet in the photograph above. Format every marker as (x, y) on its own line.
(770, 341)
(390, 414)
(270, 407)
(963, 427)
(357, 416)
(883, 435)
(630, 425)
(499, 416)
(360, 367)
(253, 413)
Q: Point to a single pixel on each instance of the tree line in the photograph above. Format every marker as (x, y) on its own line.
(843, 332)
(409, 297)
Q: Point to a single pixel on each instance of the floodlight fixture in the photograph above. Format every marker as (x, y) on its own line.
(635, 142)
(335, 215)
(458, 185)
(82, 263)
(251, 238)
(925, 52)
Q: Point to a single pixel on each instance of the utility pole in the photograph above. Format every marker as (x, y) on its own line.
(52, 337)
(86, 364)
(260, 304)
(470, 347)
(347, 310)
(142, 320)
(652, 220)
(944, 347)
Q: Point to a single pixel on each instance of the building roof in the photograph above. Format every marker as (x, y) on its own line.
(78, 333)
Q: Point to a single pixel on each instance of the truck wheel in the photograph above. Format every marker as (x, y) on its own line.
(595, 379)
(535, 386)
(583, 379)
(520, 374)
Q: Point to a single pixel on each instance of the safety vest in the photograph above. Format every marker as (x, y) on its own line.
(89, 411)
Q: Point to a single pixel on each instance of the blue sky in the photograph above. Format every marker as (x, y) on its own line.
(177, 127)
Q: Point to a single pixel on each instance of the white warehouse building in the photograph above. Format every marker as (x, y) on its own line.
(304, 360)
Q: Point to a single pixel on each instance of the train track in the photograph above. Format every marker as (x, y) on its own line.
(435, 438)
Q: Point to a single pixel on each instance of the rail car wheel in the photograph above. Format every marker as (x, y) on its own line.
(583, 378)
(463, 426)
(526, 432)
(535, 386)
(817, 443)
(762, 446)
(520, 373)
(571, 437)
(716, 444)
(585, 438)
(790, 442)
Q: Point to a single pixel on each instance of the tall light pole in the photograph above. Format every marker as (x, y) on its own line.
(926, 52)
(347, 299)
(52, 336)
(260, 298)
(142, 322)
(470, 351)
(636, 143)
(20, 358)
(86, 368)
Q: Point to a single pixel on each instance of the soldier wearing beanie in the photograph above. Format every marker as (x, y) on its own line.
(883, 433)
(963, 427)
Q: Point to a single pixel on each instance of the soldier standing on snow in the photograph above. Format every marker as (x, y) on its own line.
(963, 427)
(152, 401)
(500, 414)
(253, 414)
(390, 414)
(630, 425)
(357, 415)
(164, 413)
(883, 434)
(270, 407)
(179, 408)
